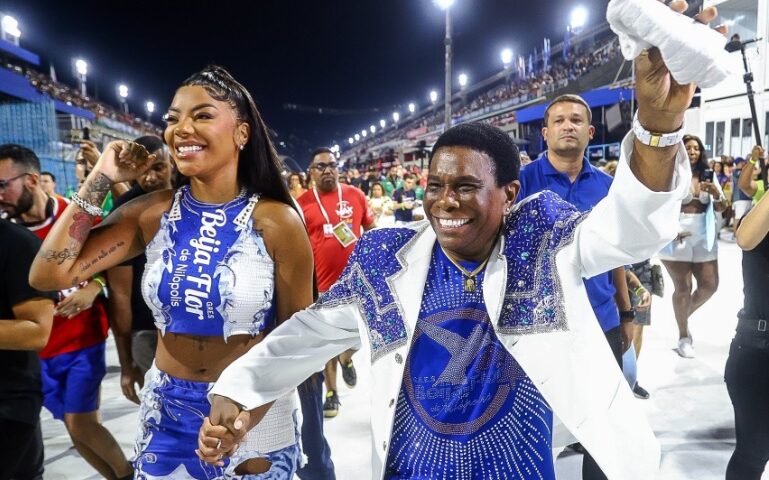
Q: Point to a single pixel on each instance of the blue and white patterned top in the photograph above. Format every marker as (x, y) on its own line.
(466, 409)
(208, 272)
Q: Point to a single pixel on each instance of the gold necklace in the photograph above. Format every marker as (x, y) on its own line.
(469, 280)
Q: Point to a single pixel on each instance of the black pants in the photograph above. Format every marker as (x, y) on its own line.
(21, 451)
(747, 380)
(590, 469)
(319, 465)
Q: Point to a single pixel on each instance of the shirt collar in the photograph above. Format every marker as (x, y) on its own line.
(548, 168)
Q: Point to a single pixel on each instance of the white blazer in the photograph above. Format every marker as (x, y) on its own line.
(569, 361)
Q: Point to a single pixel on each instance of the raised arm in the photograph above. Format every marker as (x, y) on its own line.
(755, 226)
(72, 251)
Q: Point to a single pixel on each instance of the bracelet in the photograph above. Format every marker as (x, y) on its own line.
(88, 208)
(752, 161)
(102, 283)
(639, 290)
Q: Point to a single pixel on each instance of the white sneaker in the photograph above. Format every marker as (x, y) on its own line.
(685, 348)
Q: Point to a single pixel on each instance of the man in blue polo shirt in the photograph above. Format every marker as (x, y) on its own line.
(564, 170)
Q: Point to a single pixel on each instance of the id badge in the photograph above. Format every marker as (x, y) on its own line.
(328, 230)
(344, 234)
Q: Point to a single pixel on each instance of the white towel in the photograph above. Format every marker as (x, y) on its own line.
(693, 52)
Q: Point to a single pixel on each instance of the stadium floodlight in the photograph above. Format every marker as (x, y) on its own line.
(357, 137)
(150, 108)
(444, 4)
(382, 123)
(350, 140)
(122, 92)
(335, 148)
(11, 27)
(412, 108)
(433, 96)
(578, 18)
(396, 117)
(507, 57)
(363, 133)
(462, 80)
(373, 129)
(81, 66)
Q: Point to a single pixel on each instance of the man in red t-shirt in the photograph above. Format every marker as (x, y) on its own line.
(73, 362)
(336, 216)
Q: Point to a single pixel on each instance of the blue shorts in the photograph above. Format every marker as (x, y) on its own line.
(71, 381)
(172, 412)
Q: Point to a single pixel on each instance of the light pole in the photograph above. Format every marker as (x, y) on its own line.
(81, 66)
(150, 107)
(382, 123)
(446, 5)
(433, 96)
(412, 108)
(372, 128)
(122, 92)
(396, 117)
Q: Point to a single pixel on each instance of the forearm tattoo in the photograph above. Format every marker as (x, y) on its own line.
(59, 256)
(96, 189)
(81, 225)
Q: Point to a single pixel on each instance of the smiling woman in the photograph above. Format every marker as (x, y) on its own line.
(227, 259)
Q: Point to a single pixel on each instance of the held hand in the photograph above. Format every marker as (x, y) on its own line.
(661, 100)
(222, 430)
(124, 161)
(80, 300)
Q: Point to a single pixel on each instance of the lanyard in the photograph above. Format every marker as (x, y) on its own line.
(323, 210)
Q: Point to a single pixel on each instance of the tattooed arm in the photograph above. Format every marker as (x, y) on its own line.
(73, 251)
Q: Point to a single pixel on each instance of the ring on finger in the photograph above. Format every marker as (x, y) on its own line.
(219, 444)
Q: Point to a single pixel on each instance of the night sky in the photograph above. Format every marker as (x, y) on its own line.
(363, 58)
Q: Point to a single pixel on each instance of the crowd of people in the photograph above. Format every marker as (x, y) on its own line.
(516, 88)
(72, 96)
(234, 293)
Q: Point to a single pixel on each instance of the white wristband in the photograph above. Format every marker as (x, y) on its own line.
(660, 140)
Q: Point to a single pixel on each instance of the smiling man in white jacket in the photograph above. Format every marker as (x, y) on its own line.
(478, 323)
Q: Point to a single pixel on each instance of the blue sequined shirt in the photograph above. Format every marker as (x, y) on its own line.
(466, 409)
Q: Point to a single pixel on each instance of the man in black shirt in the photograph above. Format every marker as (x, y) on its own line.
(405, 200)
(130, 318)
(26, 316)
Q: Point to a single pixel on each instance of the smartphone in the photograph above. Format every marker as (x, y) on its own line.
(707, 175)
(86, 133)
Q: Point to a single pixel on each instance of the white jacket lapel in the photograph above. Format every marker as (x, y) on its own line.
(408, 285)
